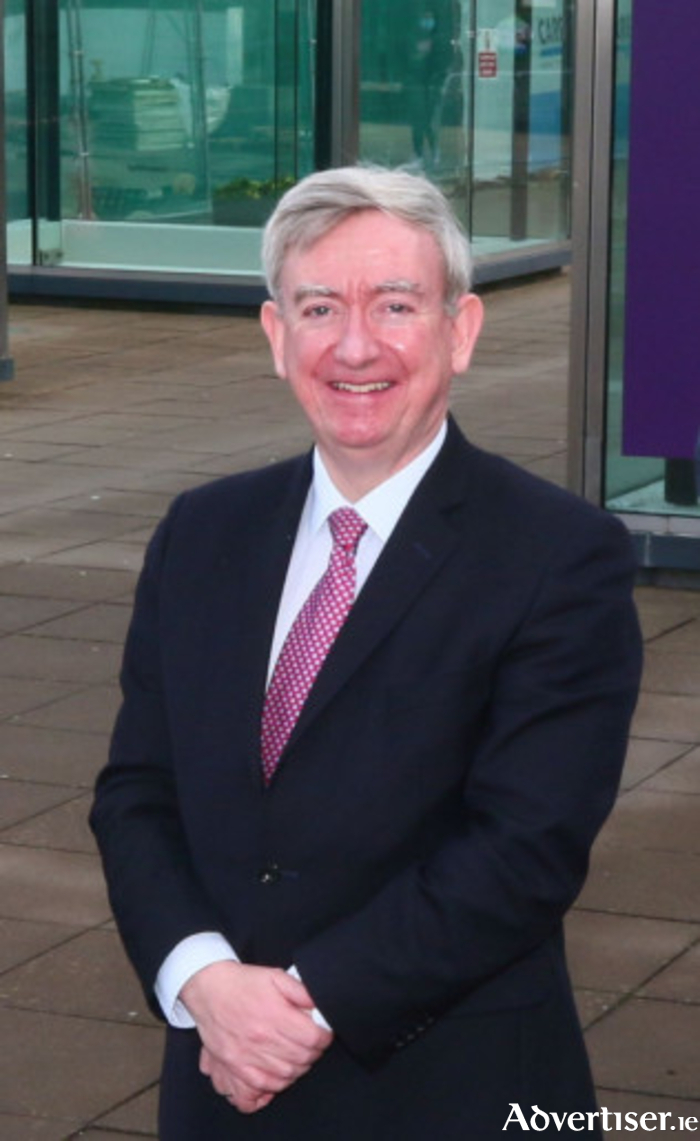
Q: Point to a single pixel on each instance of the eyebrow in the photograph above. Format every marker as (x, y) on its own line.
(399, 285)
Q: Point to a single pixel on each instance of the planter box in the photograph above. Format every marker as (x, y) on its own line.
(243, 211)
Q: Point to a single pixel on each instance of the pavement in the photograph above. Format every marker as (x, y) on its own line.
(113, 411)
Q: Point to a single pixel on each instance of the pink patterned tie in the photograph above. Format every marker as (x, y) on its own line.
(311, 636)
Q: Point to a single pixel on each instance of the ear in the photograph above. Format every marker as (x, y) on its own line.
(466, 326)
(273, 324)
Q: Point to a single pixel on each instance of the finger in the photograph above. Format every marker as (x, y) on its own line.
(249, 1101)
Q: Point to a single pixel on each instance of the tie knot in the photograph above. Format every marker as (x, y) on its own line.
(347, 528)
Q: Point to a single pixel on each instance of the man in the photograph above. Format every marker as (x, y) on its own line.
(341, 834)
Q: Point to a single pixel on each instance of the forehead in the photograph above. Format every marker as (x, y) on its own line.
(365, 250)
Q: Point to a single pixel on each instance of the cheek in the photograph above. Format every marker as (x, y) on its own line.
(310, 351)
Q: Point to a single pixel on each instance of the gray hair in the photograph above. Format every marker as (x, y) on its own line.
(321, 201)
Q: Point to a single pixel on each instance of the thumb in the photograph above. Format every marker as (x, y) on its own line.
(290, 985)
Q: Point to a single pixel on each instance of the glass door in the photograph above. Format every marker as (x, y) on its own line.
(179, 122)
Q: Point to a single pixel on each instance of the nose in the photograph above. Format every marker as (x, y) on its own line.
(357, 344)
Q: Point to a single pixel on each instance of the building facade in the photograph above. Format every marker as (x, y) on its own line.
(147, 140)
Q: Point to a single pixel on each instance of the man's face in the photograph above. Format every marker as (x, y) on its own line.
(362, 335)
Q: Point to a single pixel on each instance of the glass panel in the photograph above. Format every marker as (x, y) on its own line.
(477, 94)
(633, 483)
(415, 90)
(19, 235)
(522, 113)
(180, 120)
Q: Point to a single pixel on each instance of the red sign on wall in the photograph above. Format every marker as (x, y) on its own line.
(488, 65)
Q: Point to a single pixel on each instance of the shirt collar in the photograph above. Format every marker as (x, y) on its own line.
(383, 505)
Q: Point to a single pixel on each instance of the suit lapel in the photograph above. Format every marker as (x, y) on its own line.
(253, 568)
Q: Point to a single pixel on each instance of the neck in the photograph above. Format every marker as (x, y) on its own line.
(356, 479)
(355, 472)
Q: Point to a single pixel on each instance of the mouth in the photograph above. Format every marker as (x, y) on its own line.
(361, 389)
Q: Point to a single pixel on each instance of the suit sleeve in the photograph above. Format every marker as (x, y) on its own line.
(154, 890)
(542, 780)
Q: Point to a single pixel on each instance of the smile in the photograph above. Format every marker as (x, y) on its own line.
(361, 389)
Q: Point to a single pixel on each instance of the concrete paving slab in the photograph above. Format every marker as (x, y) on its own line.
(22, 940)
(17, 547)
(91, 710)
(136, 1118)
(49, 756)
(656, 821)
(101, 622)
(85, 976)
(21, 801)
(619, 953)
(84, 1065)
(52, 887)
(662, 616)
(59, 522)
(616, 1101)
(667, 717)
(684, 638)
(656, 885)
(124, 555)
(21, 613)
(646, 758)
(679, 982)
(20, 696)
(76, 583)
(16, 448)
(63, 828)
(58, 658)
(648, 1046)
(682, 776)
(22, 1128)
(83, 432)
(97, 1133)
(672, 672)
(594, 1004)
(140, 503)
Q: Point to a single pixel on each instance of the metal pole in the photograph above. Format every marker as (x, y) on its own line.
(7, 367)
(593, 125)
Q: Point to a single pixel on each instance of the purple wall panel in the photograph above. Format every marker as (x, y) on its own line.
(662, 319)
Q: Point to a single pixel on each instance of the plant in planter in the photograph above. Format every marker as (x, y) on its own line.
(248, 201)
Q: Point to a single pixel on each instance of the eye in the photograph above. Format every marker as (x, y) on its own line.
(397, 308)
(317, 310)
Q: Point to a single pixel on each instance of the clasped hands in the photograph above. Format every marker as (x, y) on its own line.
(257, 1033)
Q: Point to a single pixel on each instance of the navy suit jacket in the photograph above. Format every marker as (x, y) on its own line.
(431, 818)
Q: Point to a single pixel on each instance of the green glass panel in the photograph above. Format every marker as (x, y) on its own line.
(178, 119)
(16, 133)
(476, 95)
(415, 90)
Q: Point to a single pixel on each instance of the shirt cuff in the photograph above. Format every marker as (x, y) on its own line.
(189, 956)
(316, 1015)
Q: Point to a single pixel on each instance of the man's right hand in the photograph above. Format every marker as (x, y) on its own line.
(256, 1029)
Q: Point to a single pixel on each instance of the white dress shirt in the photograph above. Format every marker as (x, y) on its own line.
(381, 509)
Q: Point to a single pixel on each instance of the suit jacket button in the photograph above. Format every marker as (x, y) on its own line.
(271, 873)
